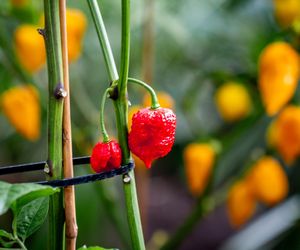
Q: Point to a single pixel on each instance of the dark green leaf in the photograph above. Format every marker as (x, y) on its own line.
(17, 195)
(31, 217)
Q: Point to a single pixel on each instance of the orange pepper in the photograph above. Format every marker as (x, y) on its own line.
(268, 181)
(278, 75)
(287, 133)
(76, 26)
(241, 204)
(30, 47)
(199, 159)
(21, 105)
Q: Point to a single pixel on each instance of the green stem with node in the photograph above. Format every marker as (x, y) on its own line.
(154, 99)
(121, 110)
(55, 119)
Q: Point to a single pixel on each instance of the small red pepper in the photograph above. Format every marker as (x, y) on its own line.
(106, 156)
(152, 133)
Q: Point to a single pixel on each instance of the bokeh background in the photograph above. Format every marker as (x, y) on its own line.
(187, 50)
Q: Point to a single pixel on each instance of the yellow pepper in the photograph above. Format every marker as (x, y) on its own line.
(286, 135)
(233, 101)
(199, 159)
(21, 105)
(287, 11)
(241, 204)
(30, 47)
(76, 26)
(165, 100)
(278, 75)
(268, 181)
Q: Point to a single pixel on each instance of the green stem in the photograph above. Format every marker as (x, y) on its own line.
(154, 99)
(102, 35)
(21, 244)
(55, 114)
(133, 213)
(121, 109)
(102, 125)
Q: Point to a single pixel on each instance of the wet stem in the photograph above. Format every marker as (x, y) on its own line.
(121, 110)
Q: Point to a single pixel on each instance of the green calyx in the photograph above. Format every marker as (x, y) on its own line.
(154, 99)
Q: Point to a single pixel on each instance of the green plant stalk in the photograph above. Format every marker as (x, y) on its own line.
(121, 109)
(121, 104)
(55, 115)
(154, 99)
(103, 38)
(102, 125)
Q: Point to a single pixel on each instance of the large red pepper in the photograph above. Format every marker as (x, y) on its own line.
(152, 133)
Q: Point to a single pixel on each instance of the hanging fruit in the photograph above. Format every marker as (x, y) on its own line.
(286, 133)
(199, 159)
(241, 204)
(268, 181)
(21, 105)
(106, 156)
(76, 26)
(233, 101)
(278, 75)
(152, 133)
(30, 47)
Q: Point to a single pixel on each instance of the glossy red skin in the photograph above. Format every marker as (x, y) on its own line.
(106, 156)
(152, 133)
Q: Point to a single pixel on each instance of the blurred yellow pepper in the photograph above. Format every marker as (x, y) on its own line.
(286, 133)
(131, 111)
(30, 47)
(286, 11)
(268, 181)
(240, 203)
(76, 26)
(199, 159)
(21, 105)
(233, 101)
(278, 75)
(165, 100)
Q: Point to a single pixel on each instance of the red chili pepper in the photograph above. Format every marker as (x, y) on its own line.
(106, 156)
(152, 133)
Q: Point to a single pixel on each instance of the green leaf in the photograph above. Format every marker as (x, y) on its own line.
(96, 248)
(17, 195)
(31, 217)
(9, 239)
(5, 234)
